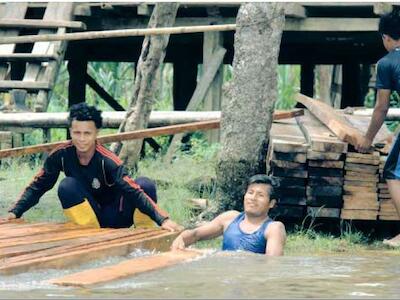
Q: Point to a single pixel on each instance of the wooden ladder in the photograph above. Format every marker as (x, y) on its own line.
(41, 65)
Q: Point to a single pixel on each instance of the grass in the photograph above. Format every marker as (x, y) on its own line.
(178, 182)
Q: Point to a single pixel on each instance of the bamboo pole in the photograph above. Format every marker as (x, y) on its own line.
(138, 134)
(91, 35)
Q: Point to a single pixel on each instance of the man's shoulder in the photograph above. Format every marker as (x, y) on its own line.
(275, 227)
(110, 158)
(227, 217)
(61, 148)
(391, 58)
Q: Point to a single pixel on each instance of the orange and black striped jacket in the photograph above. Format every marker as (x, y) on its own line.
(105, 178)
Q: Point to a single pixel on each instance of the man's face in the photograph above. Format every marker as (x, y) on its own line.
(256, 200)
(83, 135)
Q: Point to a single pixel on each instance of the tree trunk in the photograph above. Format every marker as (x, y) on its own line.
(151, 57)
(247, 117)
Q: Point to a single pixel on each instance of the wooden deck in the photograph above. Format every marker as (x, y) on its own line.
(30, 246)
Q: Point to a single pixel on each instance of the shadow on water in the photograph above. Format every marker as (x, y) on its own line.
(230, 275)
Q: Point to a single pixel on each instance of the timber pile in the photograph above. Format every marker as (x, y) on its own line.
(325, 168)
(287, 161)
(25, 247)
(387, 210)
(360, 199)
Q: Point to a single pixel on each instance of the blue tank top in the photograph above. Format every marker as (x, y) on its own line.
(235, 239)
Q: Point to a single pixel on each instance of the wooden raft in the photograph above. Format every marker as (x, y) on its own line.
(25, 246)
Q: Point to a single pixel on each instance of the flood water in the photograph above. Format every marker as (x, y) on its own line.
(230, 275)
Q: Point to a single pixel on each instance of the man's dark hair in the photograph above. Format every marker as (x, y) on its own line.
(84, 112)
(265, 179)
(390, 24)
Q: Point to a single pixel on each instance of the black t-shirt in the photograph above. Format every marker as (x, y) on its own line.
(388, 71)
(104, 177)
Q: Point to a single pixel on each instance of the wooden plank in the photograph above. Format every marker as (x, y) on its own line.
(39, 24)
(6, 85)
(348, 182)
(298, 191)
(315, 155)
(335, 122)
(333, 190)
(291, 181)
(324, 180)
(389, 217)
(366, 177)
(362, 161)
(319, 137)
(332, 164)
(280, 172)
(358, 214)
(281, 145)
(368, 156)
(352, 190)
(126, 268)
(323, 212)
(312, 171)
(325, 201)
(160, 241)
(360, 177)
(326, 24)
(288, 164)
(352, 202)
(295, 157)
(363, 169)
(26, 57)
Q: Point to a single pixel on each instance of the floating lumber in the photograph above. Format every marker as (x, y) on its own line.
(127, 268)
(358, 214)
(33, 23)
(50, 245)
(113, 119)
(92, 35)
(337, 123)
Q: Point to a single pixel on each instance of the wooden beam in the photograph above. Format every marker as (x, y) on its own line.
(103, 93)
(126, 268)
(33, 23)
(6, 85)
(91, 35)
(26, 57)
(327, 115)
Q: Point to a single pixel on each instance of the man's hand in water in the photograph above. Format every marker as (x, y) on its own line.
(178, 244)
(171, 226)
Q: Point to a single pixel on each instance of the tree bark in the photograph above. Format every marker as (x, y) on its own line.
(246, 119)
(151, 57)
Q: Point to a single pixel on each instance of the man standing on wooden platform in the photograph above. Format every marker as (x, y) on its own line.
(97, 190)
(387, 80)
(251, 230)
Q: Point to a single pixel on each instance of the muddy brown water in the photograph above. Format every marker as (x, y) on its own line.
(230, 275)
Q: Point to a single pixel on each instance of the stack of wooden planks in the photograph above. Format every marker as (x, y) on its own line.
(360, 199)
(387, 210)
(25, 246)
(325, 168)
(287, 156)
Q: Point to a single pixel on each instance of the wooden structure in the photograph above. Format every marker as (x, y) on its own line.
(320, 172)
(315, 33)
(25, 246)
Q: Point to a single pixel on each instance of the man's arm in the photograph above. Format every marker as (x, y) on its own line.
(207, 231)
(276, 239)
(44, 180)
(378, 117)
